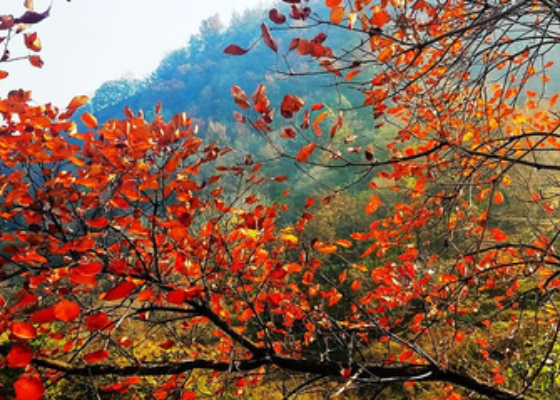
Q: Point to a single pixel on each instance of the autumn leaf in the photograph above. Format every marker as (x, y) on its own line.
(240, 97)
(77, 102)
(235, 50)
(373, 204)
(268, 39)
(498, 198)
(29, 387)
(98, 321)
(96, 356)
(44, 316)
(20, 356)
(36, 61)
(379, 16)
(32, 17)
(553, 100)
(188, 395)
(89, 120)
(305, 152)
(23, 330)
(66, 310)
(276, 16)
(98, 223)
(337, 15)
(119, 292)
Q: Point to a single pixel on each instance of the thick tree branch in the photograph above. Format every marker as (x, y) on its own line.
(372, 374)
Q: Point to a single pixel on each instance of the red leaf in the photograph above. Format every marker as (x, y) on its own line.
(98, 223)
(96, 356)
(43, 316)
(235, 50)
(498, 234)
(32, 42)
(176, 297)
(288, 133)
(276, 16)
(167, 344)
(240, 97)
(20, 356)
(120, 291)
(36, 61)
(97, 322)
(290, 105)
(405, 355)
(305, 152)
(66, 311)
(23, 330)
(29, 388)
(268, 39)
(188, 395)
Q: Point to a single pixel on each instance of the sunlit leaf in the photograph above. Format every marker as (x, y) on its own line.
(66, 310)
(29, 387)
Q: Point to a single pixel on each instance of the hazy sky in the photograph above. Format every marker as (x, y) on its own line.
(87, 42)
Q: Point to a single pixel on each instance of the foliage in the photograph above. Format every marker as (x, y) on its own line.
(139, 257)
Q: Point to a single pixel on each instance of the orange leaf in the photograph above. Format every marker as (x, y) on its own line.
(499, 235)
(77, 102)
(120, 291)
(379, 17)
(498, 198)
(89, 120)
(553, 100)
(23, 330)
(337, 15)
(96, 356)
(36, 61)
(3, 74)
(386, 54)
(352, 74)
(405, 355)
(66, 311)
(29, 387)
(305, 152)
(374, 203)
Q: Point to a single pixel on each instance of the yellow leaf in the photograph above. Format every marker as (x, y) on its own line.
(352, 17)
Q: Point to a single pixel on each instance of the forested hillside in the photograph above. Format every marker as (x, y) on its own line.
(198, 79)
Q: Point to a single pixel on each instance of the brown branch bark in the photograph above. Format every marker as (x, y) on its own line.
(373, 374)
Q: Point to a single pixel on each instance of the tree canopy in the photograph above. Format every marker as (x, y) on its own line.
(151, 261)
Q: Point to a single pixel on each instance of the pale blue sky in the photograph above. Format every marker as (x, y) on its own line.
(87, 42)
